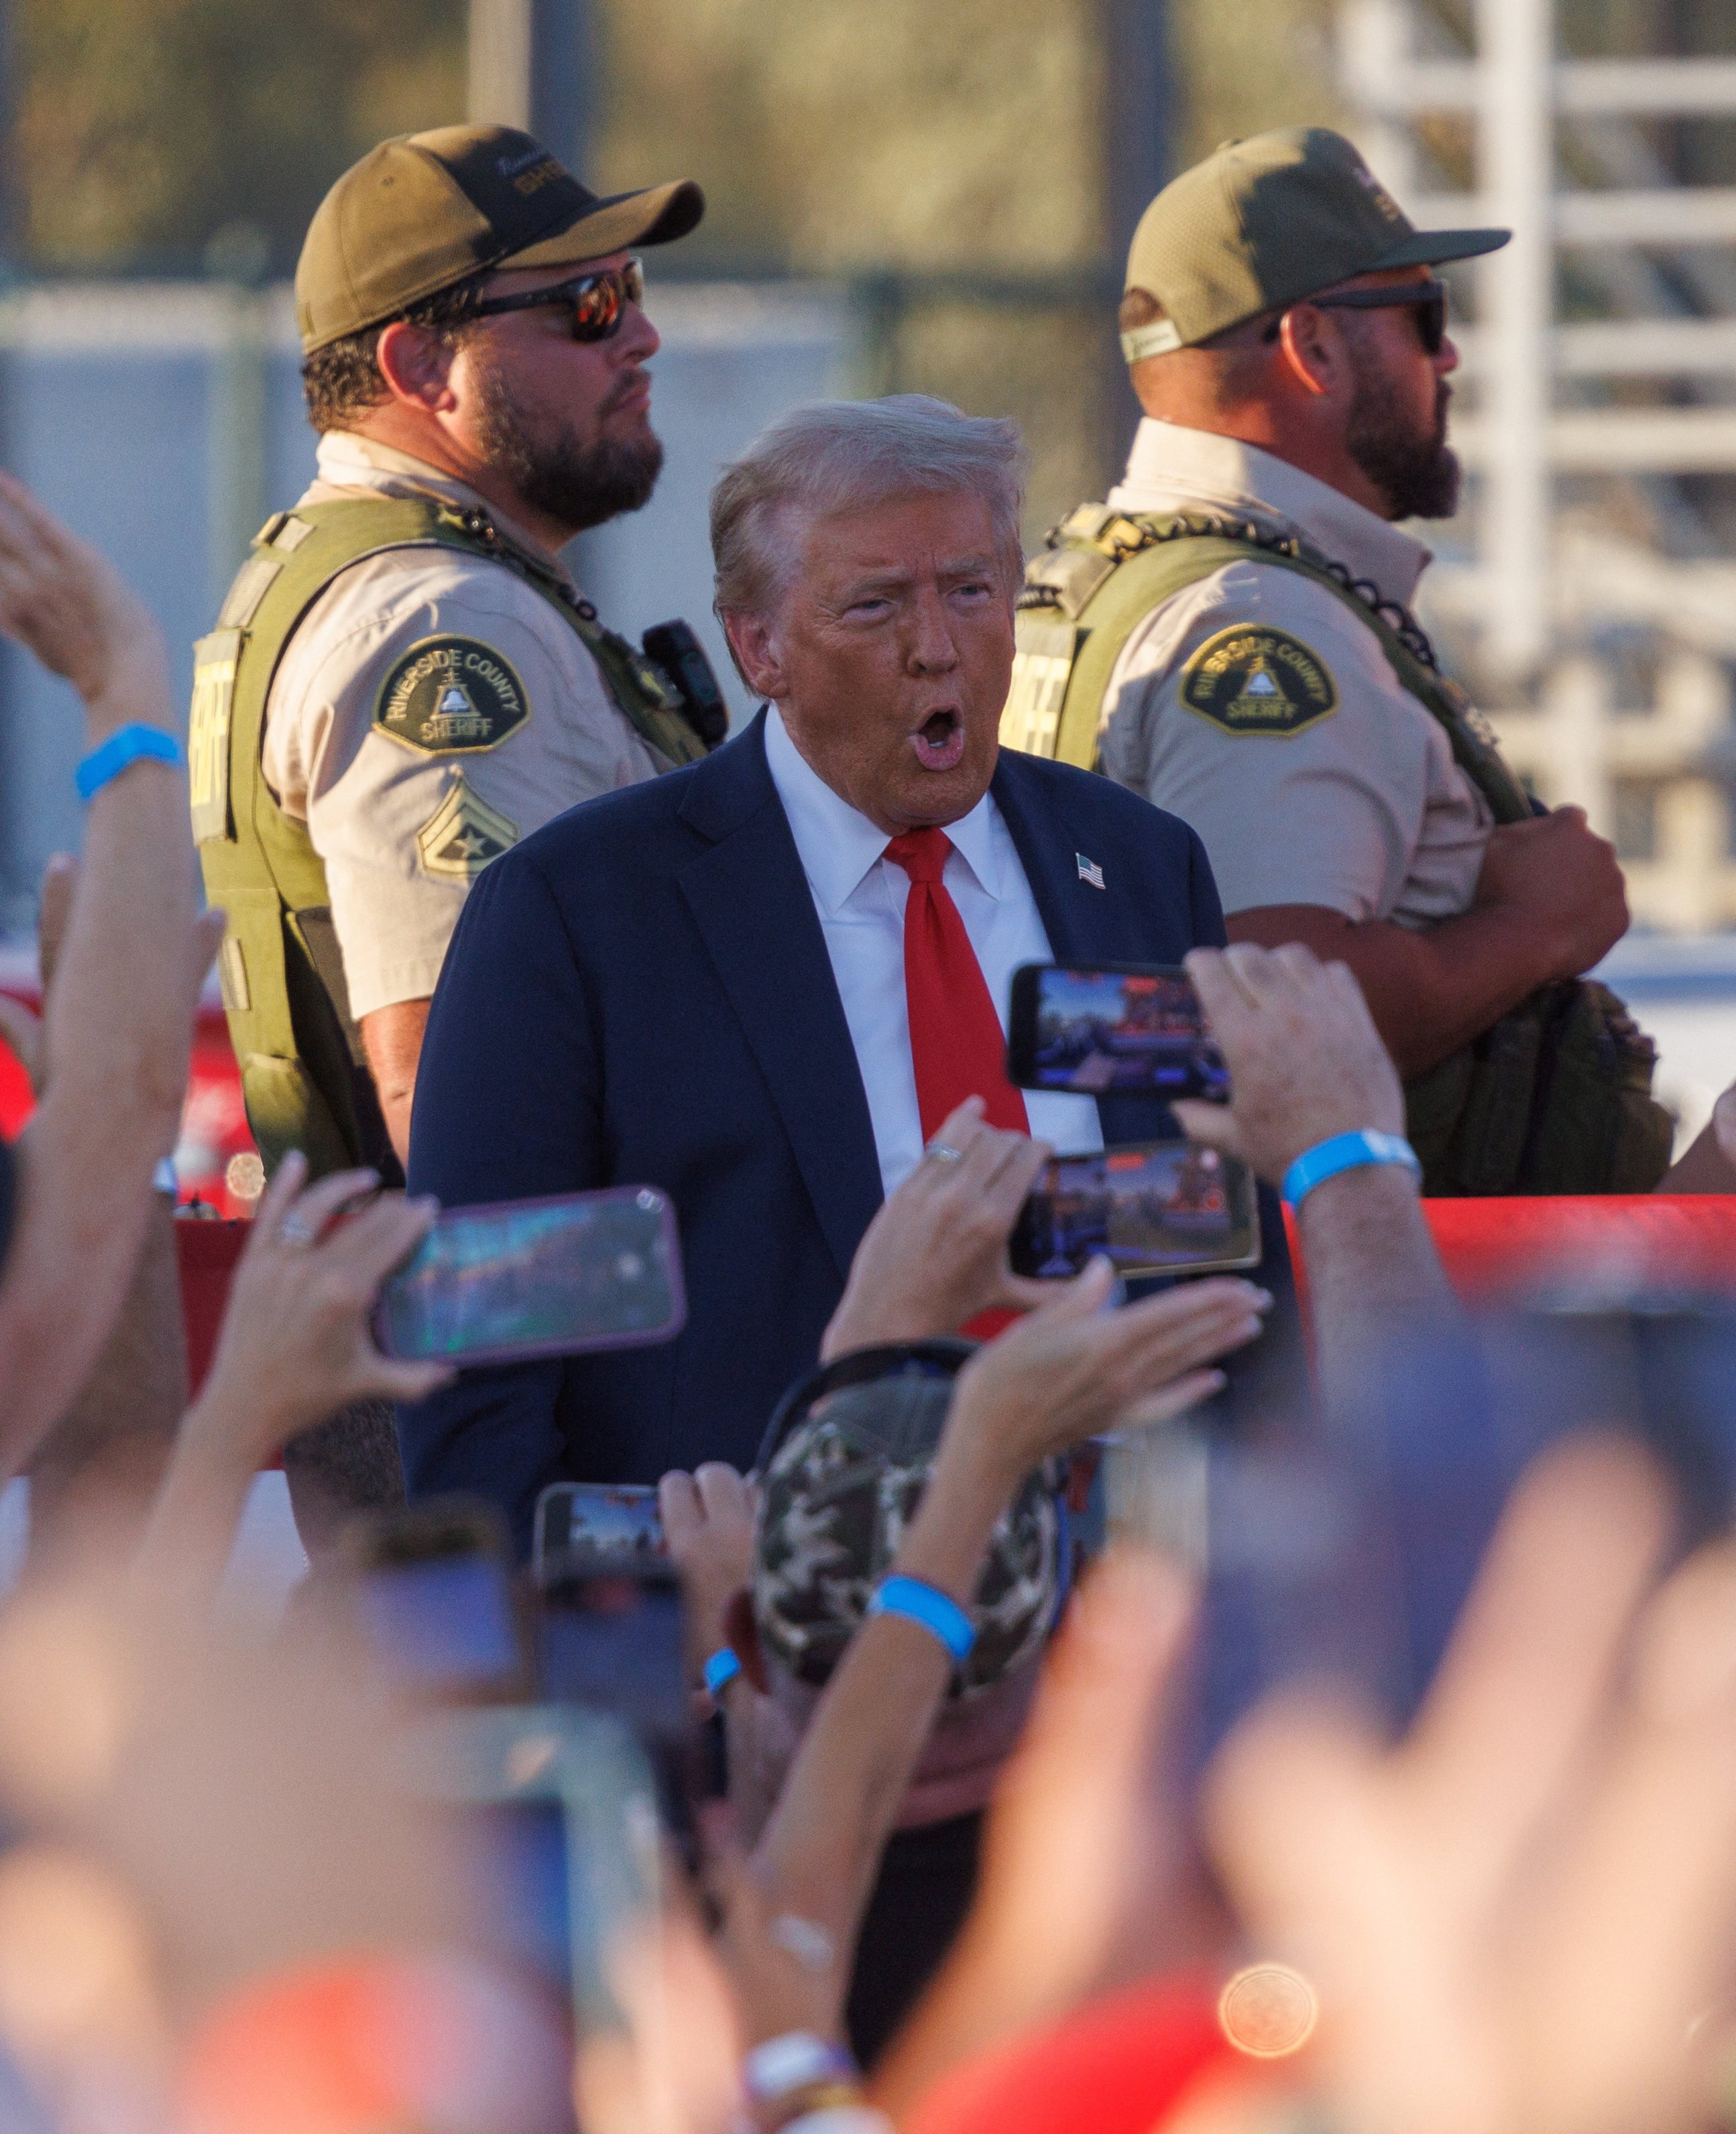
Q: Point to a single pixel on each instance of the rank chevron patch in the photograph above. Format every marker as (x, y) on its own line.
(463, 834)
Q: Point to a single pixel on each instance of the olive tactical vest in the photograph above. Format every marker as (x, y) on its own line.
(1554, 1097)
(304, 1076)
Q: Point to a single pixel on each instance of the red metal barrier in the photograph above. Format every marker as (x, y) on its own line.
(1492, 1249)
(207, 1251)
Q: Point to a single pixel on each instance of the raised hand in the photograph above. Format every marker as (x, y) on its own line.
(935, 1253)
(1305, 1059)
(1073, 1370)
(65, 603)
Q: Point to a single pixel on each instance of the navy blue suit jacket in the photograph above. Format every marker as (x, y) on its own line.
(641, 993)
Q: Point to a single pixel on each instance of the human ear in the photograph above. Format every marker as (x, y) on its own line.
(417, 367)
(1311, 350)
(743, 1634)
(753, 643)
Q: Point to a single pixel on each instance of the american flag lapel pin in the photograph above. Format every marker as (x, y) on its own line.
(1089, 870)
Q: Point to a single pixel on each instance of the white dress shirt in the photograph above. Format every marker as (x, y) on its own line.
(859, 896)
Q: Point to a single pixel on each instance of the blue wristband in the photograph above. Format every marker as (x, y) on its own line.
(937, 1612)
(1345, 1151)
(125, 746)
(720, 1670)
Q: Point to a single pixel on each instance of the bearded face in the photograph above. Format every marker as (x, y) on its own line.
(1407, 459)
(575, 479)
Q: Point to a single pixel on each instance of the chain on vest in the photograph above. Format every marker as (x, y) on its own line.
(304, 1076)
(1555, 1096)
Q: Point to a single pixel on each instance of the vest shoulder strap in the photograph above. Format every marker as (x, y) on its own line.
(295, 556)
(1104, 571)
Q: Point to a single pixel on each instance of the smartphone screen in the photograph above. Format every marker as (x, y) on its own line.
(610, 1639)
(614, 1521)
(1111, 1030)
(523, 1279)
(1170, 1207)
(445, 1624)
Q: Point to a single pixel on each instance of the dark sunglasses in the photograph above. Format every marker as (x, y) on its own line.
(598, 302)
(1427, 299)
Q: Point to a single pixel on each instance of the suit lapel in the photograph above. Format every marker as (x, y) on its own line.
(751, 901)
(1085, 924)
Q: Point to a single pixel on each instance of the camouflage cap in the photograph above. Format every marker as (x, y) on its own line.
(1263, 223)
(835, 1501)
(425, 210)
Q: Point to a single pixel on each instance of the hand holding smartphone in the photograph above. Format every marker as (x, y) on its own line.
(1169, 1208)
(1157, 1208)
(523, 1278)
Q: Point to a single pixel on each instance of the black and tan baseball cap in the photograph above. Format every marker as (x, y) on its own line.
(1262, 224)
(425, 210)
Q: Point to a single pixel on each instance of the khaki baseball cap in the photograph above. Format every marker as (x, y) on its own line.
(421, 212)
(1264, 223)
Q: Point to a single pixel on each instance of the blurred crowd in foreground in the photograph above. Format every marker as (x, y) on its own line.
(1422, 1813)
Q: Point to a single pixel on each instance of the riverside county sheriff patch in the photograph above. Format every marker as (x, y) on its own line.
(451, 696)
(1252, 679)
(463, 834)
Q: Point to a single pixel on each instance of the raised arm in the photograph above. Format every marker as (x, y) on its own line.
(1071, 1370)
(1306, 1064)
(119, 1022)
(296, 1347)
(1549, 902)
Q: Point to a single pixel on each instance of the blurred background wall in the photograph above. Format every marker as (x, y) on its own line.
(907, 196)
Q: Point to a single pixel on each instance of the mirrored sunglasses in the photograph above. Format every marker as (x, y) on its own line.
(597, 302)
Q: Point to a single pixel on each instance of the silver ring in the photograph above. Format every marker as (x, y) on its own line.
(297, 1230)
(943, 1151)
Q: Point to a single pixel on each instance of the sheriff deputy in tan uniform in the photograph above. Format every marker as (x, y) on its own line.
(1230, 633)
(403, 679)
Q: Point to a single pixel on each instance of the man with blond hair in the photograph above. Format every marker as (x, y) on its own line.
(764, 982)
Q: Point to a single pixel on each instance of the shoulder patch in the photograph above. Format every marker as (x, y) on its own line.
(451, 696)
(1253, 679)
(463, 834)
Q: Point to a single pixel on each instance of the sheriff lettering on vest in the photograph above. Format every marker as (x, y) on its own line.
(1232, 635)
(403, 681)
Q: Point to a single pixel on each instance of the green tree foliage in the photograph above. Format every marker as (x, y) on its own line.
(146, 126)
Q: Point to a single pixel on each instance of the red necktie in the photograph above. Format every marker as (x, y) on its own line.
(957, 1044)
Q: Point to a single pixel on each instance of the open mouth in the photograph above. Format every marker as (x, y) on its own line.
(940, 740)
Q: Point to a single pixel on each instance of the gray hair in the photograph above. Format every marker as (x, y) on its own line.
(832, 454)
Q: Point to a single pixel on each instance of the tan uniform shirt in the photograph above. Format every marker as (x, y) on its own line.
(431, 709)
(1256, 706)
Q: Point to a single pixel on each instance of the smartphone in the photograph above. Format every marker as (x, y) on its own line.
(611, 1520)
(560, 1809)
(1112, 1030)
(433, 1592)
(521, 1278)
(1168, 1207)
(611, 1637)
